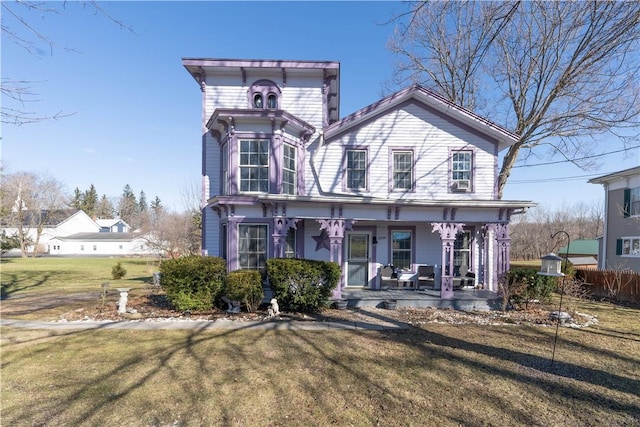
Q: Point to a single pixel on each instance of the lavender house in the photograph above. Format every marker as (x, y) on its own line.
(408, 181)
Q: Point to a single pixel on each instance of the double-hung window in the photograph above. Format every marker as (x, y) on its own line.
(628, 246)
(290, 244)
(252, 246)
(289, 170)
(402, 170)
(462, 251)
(632, 202)
(356, 169)
(254, 166)
(461, 170)
(401, 249)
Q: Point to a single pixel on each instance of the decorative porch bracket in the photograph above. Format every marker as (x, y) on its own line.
(503, 246)
(281, 226)
(448, 232)
(335, 229)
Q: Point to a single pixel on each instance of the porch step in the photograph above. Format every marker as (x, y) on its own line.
(465, 299)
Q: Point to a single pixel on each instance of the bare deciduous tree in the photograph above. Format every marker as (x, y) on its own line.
(34, 200)
(20, 26)
(559, 74)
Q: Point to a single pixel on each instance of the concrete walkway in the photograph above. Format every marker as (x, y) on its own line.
(200, 325)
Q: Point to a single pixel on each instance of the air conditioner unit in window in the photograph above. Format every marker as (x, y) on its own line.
(462, 185)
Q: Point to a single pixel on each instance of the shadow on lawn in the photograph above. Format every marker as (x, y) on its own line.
(343, 353)
(11, 284)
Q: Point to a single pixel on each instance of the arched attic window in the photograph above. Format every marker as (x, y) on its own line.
(264, 94)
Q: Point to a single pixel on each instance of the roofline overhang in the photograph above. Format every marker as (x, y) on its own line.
(615, 176)
(359, 200)
(504, 136)
(224, 116)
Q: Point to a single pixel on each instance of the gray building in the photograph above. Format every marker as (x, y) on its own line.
(620, 245)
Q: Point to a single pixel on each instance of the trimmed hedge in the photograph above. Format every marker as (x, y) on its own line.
(245, 286)
(302, 284)
(193, 282)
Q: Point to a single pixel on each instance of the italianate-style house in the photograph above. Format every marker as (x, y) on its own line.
(408, 181)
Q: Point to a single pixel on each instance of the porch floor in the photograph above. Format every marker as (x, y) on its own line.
(463, 299)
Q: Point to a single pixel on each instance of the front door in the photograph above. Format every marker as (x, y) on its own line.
(358, 257)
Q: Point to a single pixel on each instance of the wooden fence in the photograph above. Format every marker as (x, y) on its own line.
(614, 284)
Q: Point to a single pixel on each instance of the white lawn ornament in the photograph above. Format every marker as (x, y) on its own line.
(273, 309)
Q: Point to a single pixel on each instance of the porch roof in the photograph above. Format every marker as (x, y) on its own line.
(364, 200)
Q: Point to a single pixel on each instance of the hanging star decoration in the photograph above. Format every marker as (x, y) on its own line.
(322, 241)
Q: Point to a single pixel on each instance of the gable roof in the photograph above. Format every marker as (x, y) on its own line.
(432, 100)
(110, 222)
(615, 176)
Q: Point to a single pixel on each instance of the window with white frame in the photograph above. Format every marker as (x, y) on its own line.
(252, 246)
(290, 244)
(461, 170)
(401, 249)
(356, 169)
(289, 169)
(462, 251)
(402, 170)
(628, 246)
(254, 166)
(632, 202)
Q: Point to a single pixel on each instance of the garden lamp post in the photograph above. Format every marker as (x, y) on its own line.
(552, 266)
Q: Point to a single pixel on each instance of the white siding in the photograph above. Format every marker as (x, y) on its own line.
(432, 138)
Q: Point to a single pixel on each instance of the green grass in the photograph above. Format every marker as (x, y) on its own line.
(68, 275)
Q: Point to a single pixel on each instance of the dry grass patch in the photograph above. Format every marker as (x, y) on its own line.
(434, 374)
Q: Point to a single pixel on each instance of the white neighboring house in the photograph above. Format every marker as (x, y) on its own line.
(101, 243)
(68, 232)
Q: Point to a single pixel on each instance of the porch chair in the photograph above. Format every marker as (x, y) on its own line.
(387, 276)
(426, 275)
(459, 282)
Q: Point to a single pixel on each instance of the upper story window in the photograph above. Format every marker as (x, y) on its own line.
(254, 166)
(356, 169)
(402, 170)
(461, 170)
(632, 202)
(264, 94)
(289, 169)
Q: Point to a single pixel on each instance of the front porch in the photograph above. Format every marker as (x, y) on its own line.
(463, 299)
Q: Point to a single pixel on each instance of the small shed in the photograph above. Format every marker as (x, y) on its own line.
(584, 262)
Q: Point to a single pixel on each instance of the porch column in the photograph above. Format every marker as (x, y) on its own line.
(448, 232)
(281, 226)
(335, 229)
(503, 246)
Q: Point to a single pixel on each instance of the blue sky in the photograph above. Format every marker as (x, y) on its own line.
(135, 111)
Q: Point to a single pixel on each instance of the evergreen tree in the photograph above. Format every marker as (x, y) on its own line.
(128, 206)
(142, 202)
(90, 201)
(77, 199)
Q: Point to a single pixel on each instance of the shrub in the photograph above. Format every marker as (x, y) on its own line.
(245, 286)
(302, 284)
(118, 271)
(524, 285)
(193, 282)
